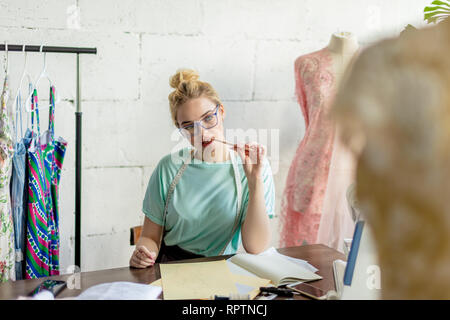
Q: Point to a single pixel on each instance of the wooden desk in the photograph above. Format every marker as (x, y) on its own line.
(320, 256)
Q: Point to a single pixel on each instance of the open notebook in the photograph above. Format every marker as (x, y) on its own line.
(276, 268)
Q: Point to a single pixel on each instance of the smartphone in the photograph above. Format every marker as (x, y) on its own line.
(308, 290)
(54, 286)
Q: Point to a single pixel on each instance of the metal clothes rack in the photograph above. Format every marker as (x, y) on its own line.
(78, 127)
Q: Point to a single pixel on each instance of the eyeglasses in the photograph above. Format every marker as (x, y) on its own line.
(208, 121)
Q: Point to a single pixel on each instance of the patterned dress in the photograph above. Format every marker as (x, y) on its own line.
(7, 250)
(45, 157)
(306, 183)
(53, 151)
(38, 240)
(18, 179)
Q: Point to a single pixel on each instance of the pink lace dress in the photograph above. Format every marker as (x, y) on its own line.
(306, 183)
(336, 222)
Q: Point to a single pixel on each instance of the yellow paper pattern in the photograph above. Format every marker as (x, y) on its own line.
(251, 281)
(199, 280)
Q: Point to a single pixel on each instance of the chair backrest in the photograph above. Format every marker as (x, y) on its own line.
(135, 234)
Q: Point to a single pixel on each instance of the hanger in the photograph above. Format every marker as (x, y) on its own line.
(41, 76)
(6, 60)
(24, 73)
(18, 97)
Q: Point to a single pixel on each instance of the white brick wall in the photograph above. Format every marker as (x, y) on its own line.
(214, 56)
(245, 48)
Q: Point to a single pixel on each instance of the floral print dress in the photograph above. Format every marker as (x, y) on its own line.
(306, 182)
(7, 251)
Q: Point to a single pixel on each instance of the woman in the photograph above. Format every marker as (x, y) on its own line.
(216, 197)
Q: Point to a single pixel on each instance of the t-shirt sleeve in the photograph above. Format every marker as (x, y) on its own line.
(154, 200)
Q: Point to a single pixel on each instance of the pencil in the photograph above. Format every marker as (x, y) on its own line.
(235, 146)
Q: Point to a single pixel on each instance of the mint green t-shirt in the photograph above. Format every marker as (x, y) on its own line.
(202, 210)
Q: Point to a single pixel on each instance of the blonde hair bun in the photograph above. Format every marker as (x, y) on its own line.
(187, 87)
(183, 75)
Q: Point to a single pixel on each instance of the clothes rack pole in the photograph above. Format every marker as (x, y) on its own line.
(78, 121)
(78, 127)
(28, 48)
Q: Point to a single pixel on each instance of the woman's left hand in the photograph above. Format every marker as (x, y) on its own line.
(252, 155)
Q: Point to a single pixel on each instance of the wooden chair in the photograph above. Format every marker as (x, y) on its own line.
(135, 233)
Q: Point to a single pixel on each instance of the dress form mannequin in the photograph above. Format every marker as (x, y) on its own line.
(342, 47)
(394, 112)
(336, 222)
(316, 75)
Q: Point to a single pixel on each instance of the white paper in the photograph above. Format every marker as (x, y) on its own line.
(234, 268)
(339, 270)
(274, 267)
(121, 290)
(303, 263)
(44, 295)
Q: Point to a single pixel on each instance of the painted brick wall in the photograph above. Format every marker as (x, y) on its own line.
(245, 48)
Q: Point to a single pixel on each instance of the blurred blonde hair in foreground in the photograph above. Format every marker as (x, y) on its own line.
(394, 112)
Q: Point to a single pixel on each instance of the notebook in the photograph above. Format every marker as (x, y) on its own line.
(279, 270)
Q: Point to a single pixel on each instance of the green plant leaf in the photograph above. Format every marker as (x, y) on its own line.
(440, 11)
(441, 3)
(435, 16)
(436, 8)
(409, 28)
(432, 14)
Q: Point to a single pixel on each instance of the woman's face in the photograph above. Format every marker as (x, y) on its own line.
(205, 111)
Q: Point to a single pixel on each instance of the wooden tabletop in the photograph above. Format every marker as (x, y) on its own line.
(318, 255)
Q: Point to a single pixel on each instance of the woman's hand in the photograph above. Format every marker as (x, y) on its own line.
(142, 257)
(252, 155)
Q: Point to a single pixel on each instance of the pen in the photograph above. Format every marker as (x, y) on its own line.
(235, 146)
(282, 292)
(232, 297)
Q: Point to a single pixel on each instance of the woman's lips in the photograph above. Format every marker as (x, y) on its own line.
(207, 143)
